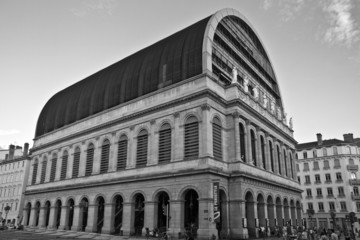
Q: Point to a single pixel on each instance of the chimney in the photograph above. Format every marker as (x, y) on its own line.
(348, 137)
(26, 149)
(319, 139)
(11, 152)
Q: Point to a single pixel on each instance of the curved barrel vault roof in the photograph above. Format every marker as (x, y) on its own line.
(184, 54)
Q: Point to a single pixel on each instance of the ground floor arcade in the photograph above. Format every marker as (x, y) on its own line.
(175, 204)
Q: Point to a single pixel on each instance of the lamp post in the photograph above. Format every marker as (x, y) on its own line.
(310, 213)
(333, 215)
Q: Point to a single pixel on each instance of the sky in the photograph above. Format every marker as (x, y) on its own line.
(48, 45)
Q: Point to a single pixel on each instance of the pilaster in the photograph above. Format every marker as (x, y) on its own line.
(206, 141)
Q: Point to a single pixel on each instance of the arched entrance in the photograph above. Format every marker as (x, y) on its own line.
(28, 211)
(261, 212)
(84, 206)
(57, 213)
(70, 219)
(100, 207)
(47, 213)
(139, 213)
(37, 213)
(118, 215)
(279, 216)
(191, 220)
(250, 214)
(162, 211)
(271, 213)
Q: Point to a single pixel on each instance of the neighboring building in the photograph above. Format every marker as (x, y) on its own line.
(193, 123)
(4, 153)
(328, 171)
(14, 170)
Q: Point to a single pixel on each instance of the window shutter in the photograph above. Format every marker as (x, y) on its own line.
(142, 148)
(191, 147)
(34, 175)
(76, 163)
(122, 153)
(105, 151)
(217, 139)
(53, 168)
(64, 166)
(165, 144)
(43, 171)
(89, 160)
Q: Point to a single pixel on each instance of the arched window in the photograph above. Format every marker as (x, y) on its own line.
(291, 165)
(165, 143)
(314, 153)
(242, 142)
(64, 165)
(34, 174)
(122, 152)
(263, 155)
(53, 167)
(89, 160)
(217, 139)
(285, 162)
(335, 152)
(43, 170)
(253, 147)
(105, 154)
(191, 140)
(324, 152)
(76, 163)
(142, 149)
(271, 149)
(279, 159)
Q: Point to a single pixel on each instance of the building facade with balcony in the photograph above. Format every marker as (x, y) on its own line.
(328, 171)
(188, 134)
(14, 170)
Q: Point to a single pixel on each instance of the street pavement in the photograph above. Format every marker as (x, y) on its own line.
(51, 235)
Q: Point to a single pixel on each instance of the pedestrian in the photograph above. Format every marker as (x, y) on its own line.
(334, 236)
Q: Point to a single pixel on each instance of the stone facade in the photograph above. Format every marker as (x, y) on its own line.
(120, 169)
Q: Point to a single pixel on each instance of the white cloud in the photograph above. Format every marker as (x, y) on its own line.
(343, 29)
(91, 6)
(8, 132)
(267, 4)
(288, 9)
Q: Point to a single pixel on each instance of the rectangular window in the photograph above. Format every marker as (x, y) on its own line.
(341, 191)
(338, 177)
(321, 207)
(317, 178)
(319, 192)
(337, 163)
(307, 179)
(315, 153)
(330, 192)
(358, 206)
(343, 206)
(327, 178)
(308, 192)
(335, 152)
(316, 166)
(297, 178)
(332, 206)
(310, 206)
(324, 152)
(306, 167)
(356, 191)
(326, 164)
(297, 168)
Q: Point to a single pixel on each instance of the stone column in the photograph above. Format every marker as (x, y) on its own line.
(282, 160)
(177, 139)
(236, 116)
(91, 220)
(205, 133)
(25, 216)
(149, 215)
(32, 217)
(97, 156)
(176, 223)
(293, 162)
(293, 215)
(82, 162)
(42, 216)
(70, 164)
(48, 171)
(128, 219)
(108, 226)
(271, 214)
(63, 217)
(153, 145)
(58, 166)
(76, 219)
(131, 160)
(275, 157)
(39, 171)
(206, 227)
(52, 223)
(262, 214)
(30, 173)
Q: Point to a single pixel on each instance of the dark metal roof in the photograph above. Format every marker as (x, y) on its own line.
(134, 76)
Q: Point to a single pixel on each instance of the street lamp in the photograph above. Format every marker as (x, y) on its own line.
(310, 213)
(333, 214)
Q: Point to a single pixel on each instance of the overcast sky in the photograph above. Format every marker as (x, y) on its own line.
(47, 45)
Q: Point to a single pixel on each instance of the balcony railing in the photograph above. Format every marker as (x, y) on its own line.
(352, 167)
(354, 181)
(355, 197)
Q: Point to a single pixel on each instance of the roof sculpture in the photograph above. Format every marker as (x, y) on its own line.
(184, 54)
